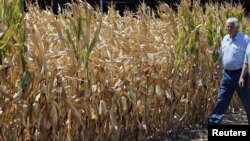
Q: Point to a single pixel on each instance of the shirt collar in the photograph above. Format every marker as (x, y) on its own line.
(235, 38)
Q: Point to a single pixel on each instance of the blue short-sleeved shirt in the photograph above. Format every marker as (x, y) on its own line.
(233, 51)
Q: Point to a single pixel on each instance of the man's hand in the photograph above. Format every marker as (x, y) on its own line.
(216, 75)
(241, 82)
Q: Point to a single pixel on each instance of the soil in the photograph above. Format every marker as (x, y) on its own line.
(199, 133)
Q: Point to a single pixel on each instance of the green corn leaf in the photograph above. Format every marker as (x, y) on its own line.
(6, 37)
(23, 50)
(215, 56)
(26, 80)
(15, 14)
(79, 28)
(72, 44)
(93, 42)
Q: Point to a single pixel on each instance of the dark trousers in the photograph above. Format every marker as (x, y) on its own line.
(228, 85)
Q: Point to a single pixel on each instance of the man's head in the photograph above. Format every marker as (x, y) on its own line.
(232, 25)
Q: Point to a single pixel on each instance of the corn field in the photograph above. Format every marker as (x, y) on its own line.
(84, 75)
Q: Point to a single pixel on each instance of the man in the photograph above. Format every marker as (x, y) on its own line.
(232, 52)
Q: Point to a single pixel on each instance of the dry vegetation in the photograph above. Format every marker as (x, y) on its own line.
(82, 75)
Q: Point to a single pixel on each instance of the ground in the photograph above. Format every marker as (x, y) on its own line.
(200, 132)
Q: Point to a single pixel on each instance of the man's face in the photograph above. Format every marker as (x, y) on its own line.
(231, 29)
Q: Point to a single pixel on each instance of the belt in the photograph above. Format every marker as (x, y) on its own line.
(233, 70)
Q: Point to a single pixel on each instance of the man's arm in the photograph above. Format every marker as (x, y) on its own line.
(242, 75)
(245, 66)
